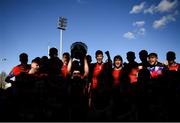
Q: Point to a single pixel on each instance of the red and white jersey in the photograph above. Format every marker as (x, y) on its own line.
(133, 75)
(174, 67)
(156, 70)
(17, 70)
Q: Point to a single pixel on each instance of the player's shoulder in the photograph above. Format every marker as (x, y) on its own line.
(17, 66)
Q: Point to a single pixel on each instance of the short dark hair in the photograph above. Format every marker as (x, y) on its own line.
(37, 60)
(98, 52)
(130, 55)
(118, 57)
(53, 51)
(153, 54)
(143, 52)
(89, 58)
(23, 57)
(66, 54)
(170, 55)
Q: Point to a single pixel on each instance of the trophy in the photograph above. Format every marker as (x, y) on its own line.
(78, 50)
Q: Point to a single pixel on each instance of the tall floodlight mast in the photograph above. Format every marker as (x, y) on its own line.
(62, 24)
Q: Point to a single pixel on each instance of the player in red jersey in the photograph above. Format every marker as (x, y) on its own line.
(66, 58)
(172, 65)
(100, 84)
(131, 68)
(116, 72)
(98, 68)
(21, 68)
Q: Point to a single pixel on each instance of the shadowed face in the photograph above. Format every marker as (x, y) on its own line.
(99, 58)
(76, 74)
(171, 61)
(23, 58)
(117, 63)
(65, 59)
(34, 65)
(152, 60)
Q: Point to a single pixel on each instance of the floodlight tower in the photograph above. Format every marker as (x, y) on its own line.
(62, 24)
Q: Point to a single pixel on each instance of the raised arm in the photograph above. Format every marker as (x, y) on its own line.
(69, 67)
(8, 78)
(86, 68)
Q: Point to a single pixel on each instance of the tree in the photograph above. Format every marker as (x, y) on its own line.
(2, 79)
